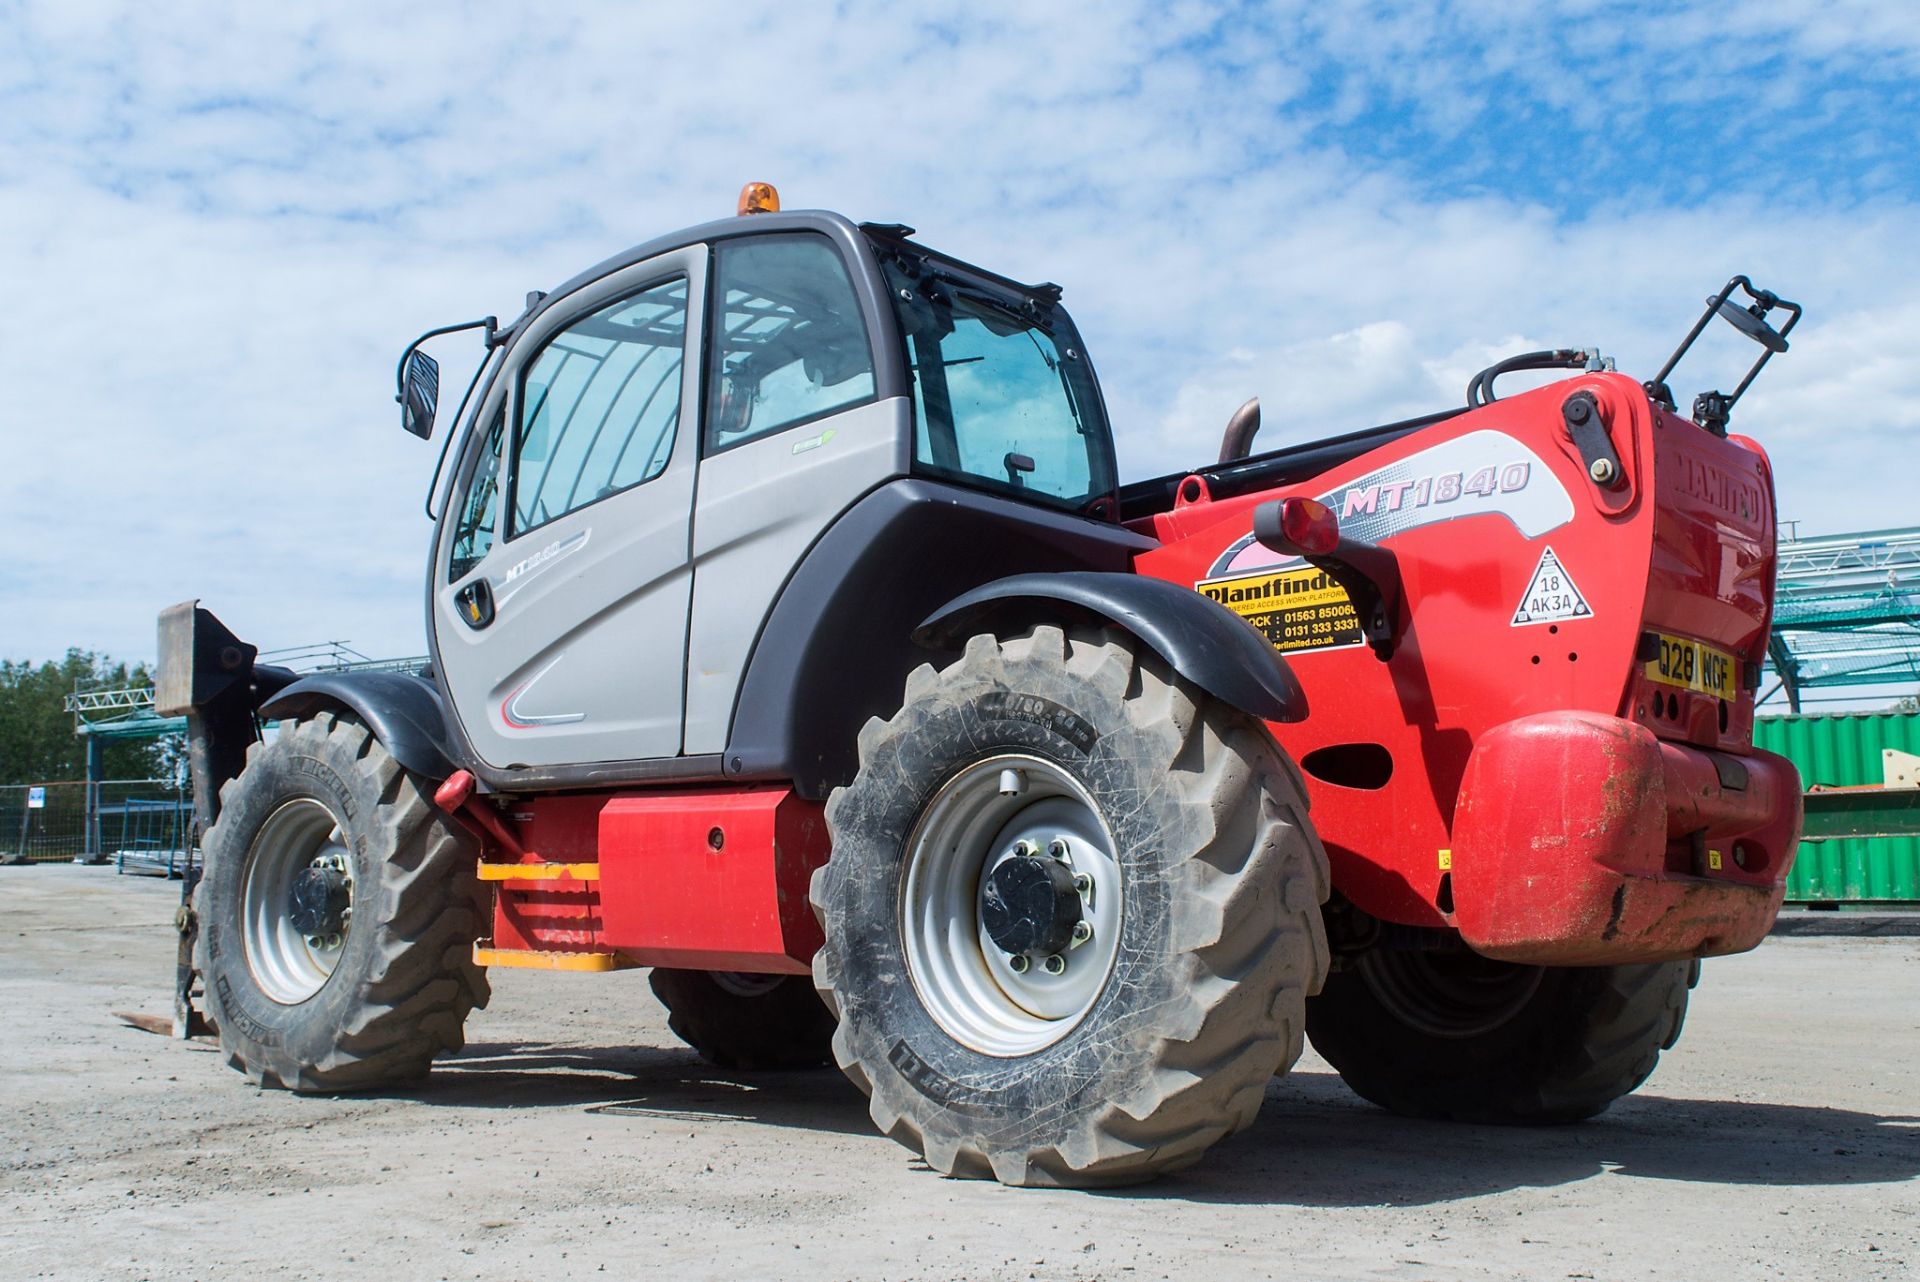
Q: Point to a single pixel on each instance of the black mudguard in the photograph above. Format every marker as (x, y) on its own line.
(1204, 641)
(404, 711)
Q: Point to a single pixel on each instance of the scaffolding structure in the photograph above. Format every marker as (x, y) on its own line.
(102, 716)
(1847, 613)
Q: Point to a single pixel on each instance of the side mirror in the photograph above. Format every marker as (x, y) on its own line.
(419, 393)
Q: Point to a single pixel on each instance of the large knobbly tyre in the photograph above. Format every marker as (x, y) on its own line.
(747, 1022)
(337, 915)
(1063, 800)
(1450, 1034)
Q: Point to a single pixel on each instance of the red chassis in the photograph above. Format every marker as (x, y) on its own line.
(1556, 759)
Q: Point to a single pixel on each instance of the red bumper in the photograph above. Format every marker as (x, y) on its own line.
(1581, 839)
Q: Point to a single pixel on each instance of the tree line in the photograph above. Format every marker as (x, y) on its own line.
(37, 742)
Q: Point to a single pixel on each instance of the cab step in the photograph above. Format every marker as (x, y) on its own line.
(539, 872)
(485, 954)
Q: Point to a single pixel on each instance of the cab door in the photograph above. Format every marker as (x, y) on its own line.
(796, 431)
(562, 577)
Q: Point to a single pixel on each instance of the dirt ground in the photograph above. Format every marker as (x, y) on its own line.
(575, 1138)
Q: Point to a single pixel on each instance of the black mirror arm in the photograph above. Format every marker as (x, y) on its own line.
(493, 338)
(1713, 409)
(1369, 573)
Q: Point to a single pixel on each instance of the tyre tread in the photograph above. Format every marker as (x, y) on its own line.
(413, 1004)
(1244, 988)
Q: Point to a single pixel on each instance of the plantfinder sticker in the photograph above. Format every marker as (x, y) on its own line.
(1550, 596)
(1297, 609)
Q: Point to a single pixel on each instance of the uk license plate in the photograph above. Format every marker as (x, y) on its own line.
(1691, 665)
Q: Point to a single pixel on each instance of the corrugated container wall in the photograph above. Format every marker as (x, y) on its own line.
(1845, 749)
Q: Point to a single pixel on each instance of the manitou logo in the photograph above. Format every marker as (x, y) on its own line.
(1445, 487)
(1736, 496)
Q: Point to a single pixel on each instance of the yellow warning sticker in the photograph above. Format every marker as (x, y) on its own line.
(1446, 861)
(1713, 860)
(1297, 609)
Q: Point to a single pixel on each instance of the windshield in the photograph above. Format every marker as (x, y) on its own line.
(1004, 398)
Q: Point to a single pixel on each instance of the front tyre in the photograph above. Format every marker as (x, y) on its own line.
(1072, 914)
(337, 916)
(1450, 1034)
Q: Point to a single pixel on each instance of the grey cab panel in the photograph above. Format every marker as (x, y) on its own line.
(762, 506)
(562, 574)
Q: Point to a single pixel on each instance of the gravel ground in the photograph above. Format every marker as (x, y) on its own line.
(575, 1138)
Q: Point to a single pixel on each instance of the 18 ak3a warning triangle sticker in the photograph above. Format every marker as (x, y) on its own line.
(1550, 596)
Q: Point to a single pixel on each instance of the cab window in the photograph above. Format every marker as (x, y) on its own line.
(599, 406)
(789, 345)
(473, 532)
(1003, 396)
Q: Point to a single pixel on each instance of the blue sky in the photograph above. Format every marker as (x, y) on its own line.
(220, 223)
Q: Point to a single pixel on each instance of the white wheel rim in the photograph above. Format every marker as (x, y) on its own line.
(289, 967)
(975, 992)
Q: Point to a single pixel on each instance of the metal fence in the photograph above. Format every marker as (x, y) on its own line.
(145, 823)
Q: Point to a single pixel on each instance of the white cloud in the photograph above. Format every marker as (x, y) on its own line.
(217, 229)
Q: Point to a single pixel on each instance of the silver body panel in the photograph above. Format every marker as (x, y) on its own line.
(761, 505)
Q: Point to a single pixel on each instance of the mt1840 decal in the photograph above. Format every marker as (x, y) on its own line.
(1483, 473)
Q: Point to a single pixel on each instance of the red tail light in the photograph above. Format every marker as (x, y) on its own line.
(1310, 525)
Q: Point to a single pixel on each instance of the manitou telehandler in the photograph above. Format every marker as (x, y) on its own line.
(792, 636)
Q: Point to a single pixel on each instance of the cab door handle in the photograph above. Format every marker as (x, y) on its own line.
(475, 602)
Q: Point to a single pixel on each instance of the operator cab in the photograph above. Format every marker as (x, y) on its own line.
(648, 453)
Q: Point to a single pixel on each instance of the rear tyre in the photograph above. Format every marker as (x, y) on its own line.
(337, 912)
(1450, 1034)
(1071, 917)
(747, 1022)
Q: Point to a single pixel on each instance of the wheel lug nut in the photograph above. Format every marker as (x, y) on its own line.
(1024, 849)
(1083, 883)
(1058, 849)
(1082, 932)
(1055, 964)
(1018, 963)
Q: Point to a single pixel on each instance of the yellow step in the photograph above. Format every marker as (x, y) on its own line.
(539, 872)
(541, 959)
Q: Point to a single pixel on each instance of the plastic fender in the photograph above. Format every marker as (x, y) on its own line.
(404, 712)
(1204, 641)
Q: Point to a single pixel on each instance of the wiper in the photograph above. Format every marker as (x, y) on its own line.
(1051, 364)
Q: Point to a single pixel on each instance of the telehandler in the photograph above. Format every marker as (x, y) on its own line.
(792, 636)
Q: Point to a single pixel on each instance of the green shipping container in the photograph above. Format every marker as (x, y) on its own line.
(1844, 748)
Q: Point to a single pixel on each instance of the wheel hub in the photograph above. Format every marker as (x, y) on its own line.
(296, 905)
(1029, 905)
(318, 902)
(1011, 905)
